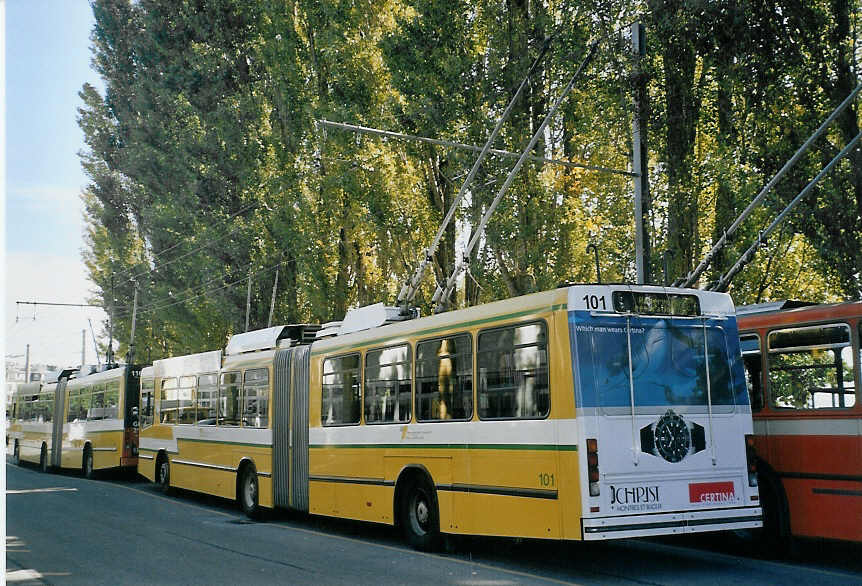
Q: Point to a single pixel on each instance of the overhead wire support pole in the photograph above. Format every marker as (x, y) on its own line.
(746, 257)
(469, 147)
(408, 291)
(692, 277)
(131, 358)
(441, 295)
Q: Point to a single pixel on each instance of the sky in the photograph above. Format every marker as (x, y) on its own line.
(47, 60)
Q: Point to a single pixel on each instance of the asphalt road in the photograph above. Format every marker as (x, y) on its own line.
(62, 529)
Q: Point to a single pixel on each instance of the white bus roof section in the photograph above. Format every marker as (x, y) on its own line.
(711, 302)
(148, 372)
(256, 340)
(191, 364)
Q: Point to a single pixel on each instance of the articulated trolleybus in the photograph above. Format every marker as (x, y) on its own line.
(87, 422)
(586, 412)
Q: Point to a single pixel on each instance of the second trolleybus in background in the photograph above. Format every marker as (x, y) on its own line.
(803, 365)
(586, 412)
(86, 422)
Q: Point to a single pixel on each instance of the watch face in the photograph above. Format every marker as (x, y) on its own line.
(672, 437)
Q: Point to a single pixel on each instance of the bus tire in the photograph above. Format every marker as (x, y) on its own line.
(776, 536)
(420, 518)
(163, 474)
(43, 458)
(247, 493)
(16, 454)
(87, 463)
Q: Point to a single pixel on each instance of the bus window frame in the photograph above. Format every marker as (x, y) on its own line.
(769, 396)
(361, 378)
(411, 355)
(477, 373)
(473, 344)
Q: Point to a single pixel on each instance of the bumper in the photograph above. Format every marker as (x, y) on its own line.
(620, 527)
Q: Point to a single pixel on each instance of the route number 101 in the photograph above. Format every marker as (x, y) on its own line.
(594, 301)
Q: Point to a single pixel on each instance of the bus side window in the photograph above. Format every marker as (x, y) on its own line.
(387, 385)
(340, 404)
(228, 399)
(513, 368)
(811, 367)
(444, 379)
(185, 400)
(112, 400)
(753, 361)
(255, 398)
(206, 399)
(147, 390)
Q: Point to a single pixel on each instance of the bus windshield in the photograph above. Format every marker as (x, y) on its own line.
(671, 359)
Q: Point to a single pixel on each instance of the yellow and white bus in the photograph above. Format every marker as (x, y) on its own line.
(87, 422)
(587, 412)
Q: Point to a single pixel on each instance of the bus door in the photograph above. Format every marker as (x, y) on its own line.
(657, 399)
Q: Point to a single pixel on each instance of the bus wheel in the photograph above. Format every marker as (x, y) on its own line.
(43, 459)
(420, 519)
(248, 493)
(163, 474)
(16, 454)
(87, 464)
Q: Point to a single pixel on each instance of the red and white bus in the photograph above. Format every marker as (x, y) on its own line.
(803, 368)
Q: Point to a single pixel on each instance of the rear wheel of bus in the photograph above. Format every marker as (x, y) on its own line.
(163, 474)
(420, 519)
(43, 458)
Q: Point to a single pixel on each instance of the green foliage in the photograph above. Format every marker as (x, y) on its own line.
(207, 163)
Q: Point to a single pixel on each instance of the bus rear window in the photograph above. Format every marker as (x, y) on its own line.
(643, 303)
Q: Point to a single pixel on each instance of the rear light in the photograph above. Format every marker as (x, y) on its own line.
(593, 466)
(751, 460)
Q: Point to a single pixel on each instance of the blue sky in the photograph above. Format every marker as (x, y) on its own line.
(47, 61)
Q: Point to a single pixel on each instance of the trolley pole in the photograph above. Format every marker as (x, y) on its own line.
(639, 155)
(248, 299)
(272, 302)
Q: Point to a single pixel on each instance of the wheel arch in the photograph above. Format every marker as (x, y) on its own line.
(244, 463)
(408, 474)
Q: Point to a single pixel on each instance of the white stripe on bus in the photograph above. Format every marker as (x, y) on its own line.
(808, 426)
(540, 432)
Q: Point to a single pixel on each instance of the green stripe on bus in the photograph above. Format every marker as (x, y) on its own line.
(523, 447)
(438, 329)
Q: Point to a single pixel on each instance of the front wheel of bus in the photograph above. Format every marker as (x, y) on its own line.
(248, 493)
(420, 519)
(43, 459)
(163, 474)
(87, 464)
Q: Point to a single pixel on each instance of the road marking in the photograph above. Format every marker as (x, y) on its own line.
(22, 575)
(36, 490)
